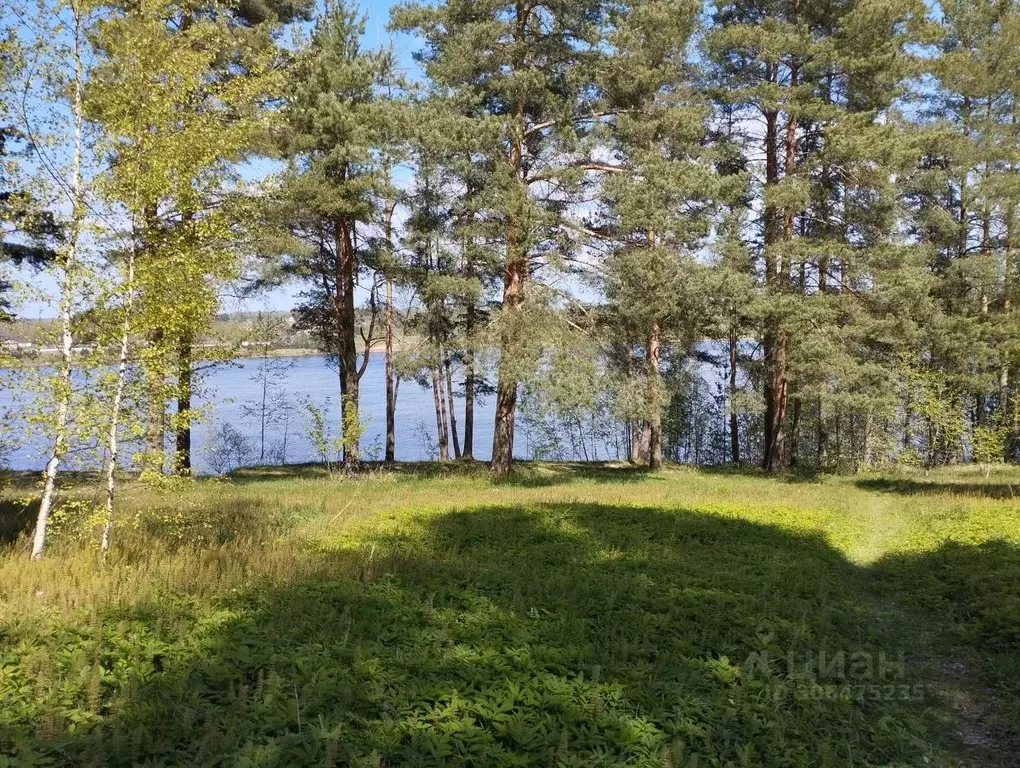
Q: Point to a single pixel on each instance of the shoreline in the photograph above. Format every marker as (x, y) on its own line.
(35, 358)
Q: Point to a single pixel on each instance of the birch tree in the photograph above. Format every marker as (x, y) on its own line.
(69, 56)
(173, 127)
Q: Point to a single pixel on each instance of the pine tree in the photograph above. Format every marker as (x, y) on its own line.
(429, 273)
(657, 198)
(797, 74)
(334, 121)
(521, 70)
(447, 131)
(965, 197)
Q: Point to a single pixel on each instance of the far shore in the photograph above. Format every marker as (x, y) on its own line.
(39, 356)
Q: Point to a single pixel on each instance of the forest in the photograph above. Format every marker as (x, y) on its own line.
(571, 205)
(769, 250)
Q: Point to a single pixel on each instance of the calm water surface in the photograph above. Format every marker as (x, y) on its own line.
(226, 390)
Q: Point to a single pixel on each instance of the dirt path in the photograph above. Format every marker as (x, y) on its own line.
(969, 715)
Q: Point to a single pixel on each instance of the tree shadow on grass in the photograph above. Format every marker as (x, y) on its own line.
(908, 487)
(525, 474)
(569, 635)
(802, 474)
(16, 519)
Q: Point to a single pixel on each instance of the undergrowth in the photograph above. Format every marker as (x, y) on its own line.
(571, 616)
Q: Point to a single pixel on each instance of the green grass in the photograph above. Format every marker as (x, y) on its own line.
(569, 616)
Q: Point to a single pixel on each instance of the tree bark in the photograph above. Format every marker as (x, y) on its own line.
(437, 400)
(517, 266)
(391, 391)
(1008, 417)
(821, 434)
(185, 372)
(506, 390)
(822, 438)
(452, 408)
(980, 398)
(469, 405)
(1007, 311)
(734, 420)
(60, 425)
(655, 410)
(770, 238)
(795, 433)
(469, 378)
(70, 262)
(155, 416)
(118, 398)
(348, 353)
(776, 337)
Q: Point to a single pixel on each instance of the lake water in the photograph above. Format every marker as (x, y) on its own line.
(226, 390)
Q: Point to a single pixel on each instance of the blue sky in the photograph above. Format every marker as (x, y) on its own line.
(378, 12)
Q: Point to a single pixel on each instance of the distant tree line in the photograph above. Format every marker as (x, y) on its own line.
(580, 208)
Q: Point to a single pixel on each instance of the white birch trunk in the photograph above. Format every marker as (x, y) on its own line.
(60, 429)
(118, 397)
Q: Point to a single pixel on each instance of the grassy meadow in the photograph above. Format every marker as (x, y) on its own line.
(568, 616)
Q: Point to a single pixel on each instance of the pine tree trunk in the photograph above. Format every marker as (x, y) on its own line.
(772, 385)
(795, 433)
(839, 438)
(470, 317)
(734, 420)
(442, 407)
(437, 401)
(655, 411)
(391, 392)
(469, 383)
(980, 400)
(633, 425)
(1007, 311)
(350, 418)
(506, 390)
(822, 438)
(469, 407)
(514, 275)
(777, 339)
(185, 372)
(452, 409)
(1008, 418)
(821, 433)
(867, 442)
(1006, 413)
(775, 409)
(639, 440)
